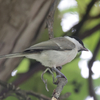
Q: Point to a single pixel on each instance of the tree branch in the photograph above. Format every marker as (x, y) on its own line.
(80, 24)
(61, 82)
(89, 32)
(90, 82)
(50, 18)
(10, 89)
(86, 33)
(37, 95)
(94, 17)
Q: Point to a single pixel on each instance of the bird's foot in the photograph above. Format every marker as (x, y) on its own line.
(61, 75)
(45, 81)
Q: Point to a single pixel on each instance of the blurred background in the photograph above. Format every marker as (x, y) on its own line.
(20, 27)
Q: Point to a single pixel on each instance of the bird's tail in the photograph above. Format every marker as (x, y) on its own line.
(11, 55)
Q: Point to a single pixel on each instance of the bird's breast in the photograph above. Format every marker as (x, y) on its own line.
(51, 58)
(67, 56)
(57, 58)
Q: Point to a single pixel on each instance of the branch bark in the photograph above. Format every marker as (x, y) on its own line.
(50, 18)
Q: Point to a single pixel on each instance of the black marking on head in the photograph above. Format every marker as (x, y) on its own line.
(79, 40)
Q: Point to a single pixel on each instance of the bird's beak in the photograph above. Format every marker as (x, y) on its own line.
(84, 49)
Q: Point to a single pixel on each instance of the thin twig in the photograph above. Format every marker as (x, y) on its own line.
(89, 32)
(37, 95)
(10, 89)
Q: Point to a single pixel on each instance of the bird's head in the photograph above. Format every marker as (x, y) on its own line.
(79, 44)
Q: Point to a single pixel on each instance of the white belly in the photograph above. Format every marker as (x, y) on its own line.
(51, 58)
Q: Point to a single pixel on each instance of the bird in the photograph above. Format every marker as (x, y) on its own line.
(52, 53)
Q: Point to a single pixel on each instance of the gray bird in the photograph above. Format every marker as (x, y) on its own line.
(52, 53)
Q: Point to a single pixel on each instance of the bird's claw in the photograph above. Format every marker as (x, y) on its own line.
(61, 75)
(45, 81)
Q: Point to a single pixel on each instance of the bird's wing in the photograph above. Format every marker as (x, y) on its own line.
(59, 44)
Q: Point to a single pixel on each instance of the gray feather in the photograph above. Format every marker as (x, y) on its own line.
(59, 44)
(11, 55)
